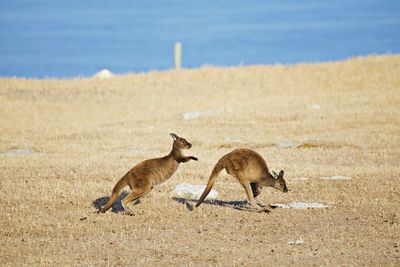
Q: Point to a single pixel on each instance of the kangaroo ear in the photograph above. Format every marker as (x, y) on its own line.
(281, 173)
(275, 175)
(174, 136)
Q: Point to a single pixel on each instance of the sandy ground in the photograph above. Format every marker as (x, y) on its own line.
(65, 143)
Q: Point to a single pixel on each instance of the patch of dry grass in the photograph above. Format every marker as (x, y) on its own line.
(87, 133)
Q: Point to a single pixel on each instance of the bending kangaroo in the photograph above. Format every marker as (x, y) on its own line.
(149, 173)
(251, 171)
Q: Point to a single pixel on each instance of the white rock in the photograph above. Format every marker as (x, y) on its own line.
(104, 74)
(288, 144)
(314, 106)
(191, 115)
(300, 205)
(296, 242)
(191, 191)
(197, 114)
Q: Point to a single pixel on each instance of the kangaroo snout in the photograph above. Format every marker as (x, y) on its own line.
(285, 190)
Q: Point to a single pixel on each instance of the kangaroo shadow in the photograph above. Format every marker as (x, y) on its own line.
(238, 205)
(116, 207)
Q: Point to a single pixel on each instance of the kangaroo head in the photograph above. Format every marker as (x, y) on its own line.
(279, 182)
(180, 142)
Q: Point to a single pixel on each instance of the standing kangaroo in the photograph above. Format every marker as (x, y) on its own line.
(149, 173)
(251, 171)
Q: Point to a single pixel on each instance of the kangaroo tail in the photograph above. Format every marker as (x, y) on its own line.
(214, 174)
(117, 188)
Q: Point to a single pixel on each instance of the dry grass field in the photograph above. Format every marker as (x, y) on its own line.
(65, 143)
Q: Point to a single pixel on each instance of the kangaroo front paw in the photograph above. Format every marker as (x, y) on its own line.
(194, 158)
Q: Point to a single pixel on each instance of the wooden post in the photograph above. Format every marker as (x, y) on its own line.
(177, 58)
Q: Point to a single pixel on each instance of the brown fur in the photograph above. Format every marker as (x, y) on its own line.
(252, 173)
(149, 173)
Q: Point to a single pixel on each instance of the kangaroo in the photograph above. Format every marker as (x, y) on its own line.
(149, 173)
(252, 172)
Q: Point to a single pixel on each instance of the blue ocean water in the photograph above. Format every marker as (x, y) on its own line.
(47, 38)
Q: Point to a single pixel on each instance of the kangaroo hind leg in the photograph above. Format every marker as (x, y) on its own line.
(110, 202)
(133, 196)
(114, 195)
(250, 197)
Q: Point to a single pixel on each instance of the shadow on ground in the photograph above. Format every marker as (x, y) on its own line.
(238, 205)
(189, 203)
(116, 207)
